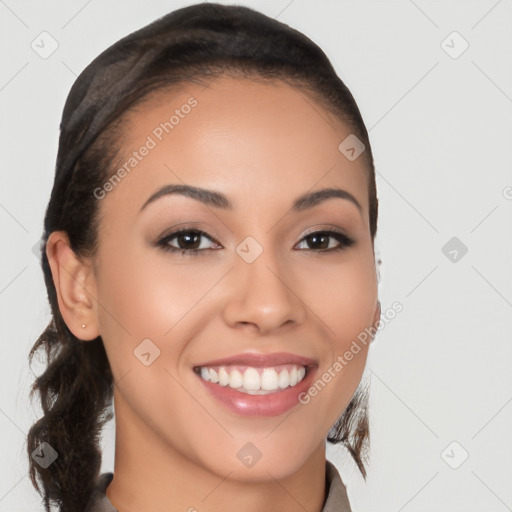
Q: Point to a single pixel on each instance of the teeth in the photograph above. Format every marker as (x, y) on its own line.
(252, 381)
(255, 381)
(213, 376)
(283, 379)
(269, 379)
(235, 379)
(293, 377)
(223, 377)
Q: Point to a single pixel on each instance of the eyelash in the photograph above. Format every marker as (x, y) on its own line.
(163, 243)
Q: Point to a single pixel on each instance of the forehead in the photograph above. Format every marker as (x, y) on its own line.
(252, 140)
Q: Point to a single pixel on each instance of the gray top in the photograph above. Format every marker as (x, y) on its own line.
(337, 499)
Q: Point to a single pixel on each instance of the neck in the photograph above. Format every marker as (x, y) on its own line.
(151, 475)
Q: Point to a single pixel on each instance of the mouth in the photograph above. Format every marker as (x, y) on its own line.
(257, 384)
(254, 380)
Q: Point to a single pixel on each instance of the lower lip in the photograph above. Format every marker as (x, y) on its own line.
(272, 404)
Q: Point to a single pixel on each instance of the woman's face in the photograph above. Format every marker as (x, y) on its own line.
(257, 281)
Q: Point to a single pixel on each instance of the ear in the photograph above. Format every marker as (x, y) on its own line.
(376, 318)
(75, 286)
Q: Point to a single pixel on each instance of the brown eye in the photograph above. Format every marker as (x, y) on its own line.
(320, 240)
(188, 241)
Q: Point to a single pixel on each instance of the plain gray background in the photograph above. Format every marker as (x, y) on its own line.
(439, 116)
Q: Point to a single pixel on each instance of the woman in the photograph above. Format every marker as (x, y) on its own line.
(210, 267)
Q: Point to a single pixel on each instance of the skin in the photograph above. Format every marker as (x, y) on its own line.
(262, 145)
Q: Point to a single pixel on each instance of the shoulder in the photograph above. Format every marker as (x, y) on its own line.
(98, 501)
(336, 491)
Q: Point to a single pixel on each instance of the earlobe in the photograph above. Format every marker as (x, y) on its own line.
(72, 280)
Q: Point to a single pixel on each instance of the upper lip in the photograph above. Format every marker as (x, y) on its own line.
(261, 360)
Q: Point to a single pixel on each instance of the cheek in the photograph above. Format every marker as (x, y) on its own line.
(145, 294)
(345, 301)
(141, 291)
(344, 295)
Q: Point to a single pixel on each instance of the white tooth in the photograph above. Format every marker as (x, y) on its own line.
(251, 379)
(235, 379)
(257, 392)
(223, 377)
(284, 379)
(293, 376)
(252, 391)
(269, 379)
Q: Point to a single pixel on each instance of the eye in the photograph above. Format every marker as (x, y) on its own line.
(319, 240)
(188, 241)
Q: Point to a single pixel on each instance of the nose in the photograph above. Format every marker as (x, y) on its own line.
(264, 295)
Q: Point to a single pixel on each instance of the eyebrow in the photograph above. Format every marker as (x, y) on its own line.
(219, 200)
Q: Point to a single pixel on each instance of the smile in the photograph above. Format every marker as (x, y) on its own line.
(253, 380)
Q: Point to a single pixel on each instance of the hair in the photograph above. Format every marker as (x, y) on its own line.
(194, 44)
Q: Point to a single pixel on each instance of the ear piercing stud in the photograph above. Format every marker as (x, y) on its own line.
(83, 326)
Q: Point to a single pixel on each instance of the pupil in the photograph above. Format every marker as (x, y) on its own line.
(189, 237)
(315, 239)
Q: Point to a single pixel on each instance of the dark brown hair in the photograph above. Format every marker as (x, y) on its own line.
(192, 44)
